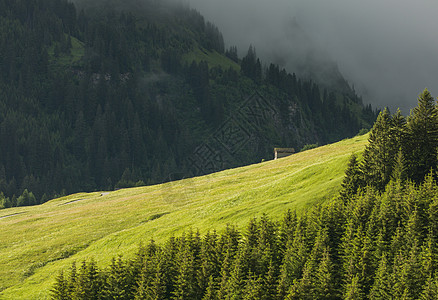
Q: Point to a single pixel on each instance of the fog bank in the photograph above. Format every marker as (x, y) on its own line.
(387, 50)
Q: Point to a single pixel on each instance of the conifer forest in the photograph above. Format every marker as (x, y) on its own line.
(102, 99)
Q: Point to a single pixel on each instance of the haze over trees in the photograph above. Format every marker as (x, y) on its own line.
(100, 99)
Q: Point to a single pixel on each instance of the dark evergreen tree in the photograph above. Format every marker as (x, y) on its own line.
(352, 180)
(60, 288)
(232, 54)
(325, 282)
(379, 155)
(422, 141)
(253, 289)
(430, 290)
(211, 291)
(251, 66)
(353, 289)
(382, 286)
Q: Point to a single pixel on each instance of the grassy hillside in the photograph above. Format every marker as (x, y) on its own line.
(213, 58)
(37, 242)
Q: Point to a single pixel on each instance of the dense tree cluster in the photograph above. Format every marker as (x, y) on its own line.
(102, 99)
(377, 242)
(377, 246)
(330, 110)
(399, 147)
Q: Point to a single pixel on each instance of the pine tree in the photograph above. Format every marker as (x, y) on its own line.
(324, 280)
(60, 288)
(353, 290)
(118, 284)
(430, 289)
(185, 285)
(210, 292)
(422, 141)
(379, 155)
(210, 265)
(269, 283)
(352, 179)
(399, 170)
(293, 263)
(382, 287)
(253, 288)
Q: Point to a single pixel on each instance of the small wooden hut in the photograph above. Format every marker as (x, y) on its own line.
(283, 152)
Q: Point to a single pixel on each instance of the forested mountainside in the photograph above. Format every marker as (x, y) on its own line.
(377, 240)
(129, 95)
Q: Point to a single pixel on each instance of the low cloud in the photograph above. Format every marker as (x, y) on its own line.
(388, 50)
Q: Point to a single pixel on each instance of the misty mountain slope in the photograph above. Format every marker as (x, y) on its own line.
(39, 241)
(119, 95)
(387, 51)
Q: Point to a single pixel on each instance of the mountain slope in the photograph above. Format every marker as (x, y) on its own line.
(39, 241)
(138, 91)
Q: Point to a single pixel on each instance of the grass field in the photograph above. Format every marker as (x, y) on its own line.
(37, 242)
(77, 52)
(213, 58)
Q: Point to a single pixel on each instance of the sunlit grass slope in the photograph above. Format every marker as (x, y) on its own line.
(37, 242)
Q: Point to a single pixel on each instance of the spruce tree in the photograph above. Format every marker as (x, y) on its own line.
(211, 291)
(253, 288)
(186, 285)
(293, 263)
(117, 285)
(413, 275)
(353, 290)
(379, 155)
(399, 170)
(236, 282)
(398, 130)
(430, 289)
(60, 288)
(352, 180)
(382, 286)
(157, 289)
(324, 280)
(210, 265)
(422, 141)
(269, 283)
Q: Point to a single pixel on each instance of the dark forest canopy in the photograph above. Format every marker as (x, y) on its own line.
(94, 99)
(377, 240)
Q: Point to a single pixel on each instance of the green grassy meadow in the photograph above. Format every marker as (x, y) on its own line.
(213, 58)
(37, 242)
(77, 52)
